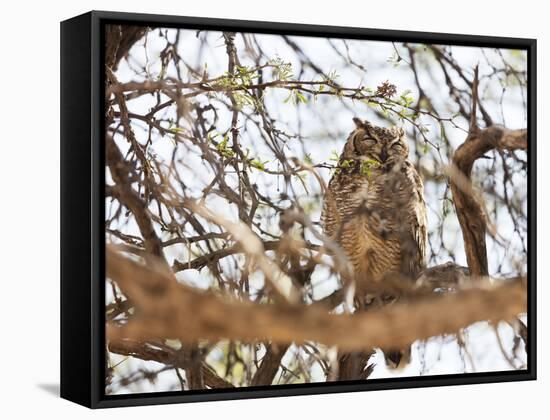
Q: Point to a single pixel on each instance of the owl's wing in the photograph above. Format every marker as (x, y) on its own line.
(327, 215)
(414, 237)
(330, 216)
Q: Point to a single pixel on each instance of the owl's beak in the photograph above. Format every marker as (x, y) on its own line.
(384, 155)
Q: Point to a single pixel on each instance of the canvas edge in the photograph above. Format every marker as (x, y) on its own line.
(75, 218)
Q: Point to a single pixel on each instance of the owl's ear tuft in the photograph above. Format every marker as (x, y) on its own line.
(359, 123)
(400, 131)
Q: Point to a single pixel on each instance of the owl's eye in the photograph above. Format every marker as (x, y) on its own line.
(397, 146)
(370, 140)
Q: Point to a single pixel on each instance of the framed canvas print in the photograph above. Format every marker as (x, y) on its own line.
(255, 209)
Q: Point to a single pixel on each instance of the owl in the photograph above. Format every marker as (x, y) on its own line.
(374, 209)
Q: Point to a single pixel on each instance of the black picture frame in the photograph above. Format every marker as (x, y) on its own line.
(82, 209)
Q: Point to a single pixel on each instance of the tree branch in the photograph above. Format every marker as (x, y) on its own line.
(167, 356)
(118, 41)
(470, 210)
(270, 364)
(127, 196)
(169, 309)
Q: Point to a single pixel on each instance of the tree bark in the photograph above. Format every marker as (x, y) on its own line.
(270, 364)
(172, 310)
(469, 206)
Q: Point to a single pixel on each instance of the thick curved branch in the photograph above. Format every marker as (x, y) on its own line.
(494, 137)
(469, 207)
(170, 309)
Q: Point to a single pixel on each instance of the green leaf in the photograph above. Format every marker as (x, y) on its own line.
(223, 147)
(346, 163)
(301, 97)
(367, 165)
(175, 129)
(288, 98)
(257, 164)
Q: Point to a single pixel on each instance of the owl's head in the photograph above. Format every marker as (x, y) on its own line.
(385, 145)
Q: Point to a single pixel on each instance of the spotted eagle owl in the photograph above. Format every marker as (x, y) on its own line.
(375, 210)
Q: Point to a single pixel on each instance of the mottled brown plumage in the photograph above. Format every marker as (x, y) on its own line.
(374, 207)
